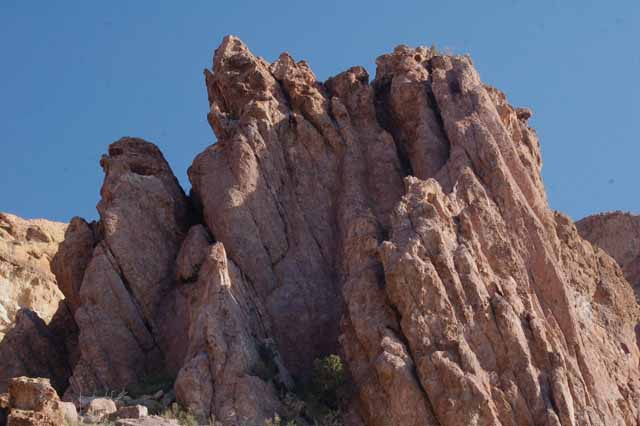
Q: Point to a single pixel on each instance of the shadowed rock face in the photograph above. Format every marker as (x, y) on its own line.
(618, 234)
(401, 223)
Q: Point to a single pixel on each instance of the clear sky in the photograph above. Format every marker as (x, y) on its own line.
(76, 75)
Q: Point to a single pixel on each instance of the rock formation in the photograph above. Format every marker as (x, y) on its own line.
(33, 402)
(26, 281)
(29, 299)
(401, 223)
(413, 209)
(123, 294)
(618, 234)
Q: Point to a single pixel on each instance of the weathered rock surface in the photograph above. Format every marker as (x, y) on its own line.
(123, 295)
(31, 348)
(26, 281)
(130, 412)
(618, 234)
(219, 377)
(401, 223)
(464, 299)
(33, 402)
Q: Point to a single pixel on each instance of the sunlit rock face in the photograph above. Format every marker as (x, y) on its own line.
(26, 280)
(404, 223)
(401, 223)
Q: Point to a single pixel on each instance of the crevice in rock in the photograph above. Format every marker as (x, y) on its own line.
(381, 91)
(148, 326)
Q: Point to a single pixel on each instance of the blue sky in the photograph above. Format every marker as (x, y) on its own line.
(77, 75)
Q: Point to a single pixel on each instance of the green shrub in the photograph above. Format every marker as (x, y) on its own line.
(329, 378)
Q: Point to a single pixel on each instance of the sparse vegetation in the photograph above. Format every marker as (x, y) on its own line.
(329, 378)
(319, 400)
(151, 384)
(183, 417)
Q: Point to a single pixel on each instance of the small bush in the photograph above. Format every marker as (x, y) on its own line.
(329, 378)
(183, 417)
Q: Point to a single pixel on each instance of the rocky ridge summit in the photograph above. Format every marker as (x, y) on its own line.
(401, 223)
(617, 233)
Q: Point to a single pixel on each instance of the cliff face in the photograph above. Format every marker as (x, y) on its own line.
(618, 234)
(26, 280)
(401, 223)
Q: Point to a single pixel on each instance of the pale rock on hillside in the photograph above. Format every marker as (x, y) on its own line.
(26, 280)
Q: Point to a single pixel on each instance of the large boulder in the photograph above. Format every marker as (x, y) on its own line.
(33, 402)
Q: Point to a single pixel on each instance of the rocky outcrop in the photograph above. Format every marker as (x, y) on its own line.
(413, 208)
(618, 234)
(401, 223)
(33, 402)
(26, 281)
(123, 295)
(226, 344)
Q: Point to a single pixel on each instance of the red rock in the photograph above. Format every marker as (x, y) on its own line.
(144, 216)
(467, 300)
(72, 258)
(401, 223)
(34, 349)
(224, 337)
(33, 402)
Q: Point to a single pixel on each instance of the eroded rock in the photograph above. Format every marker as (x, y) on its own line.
(33, 402)
(401, 223)
(464, 298)
(125, 292)
(26, 281)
